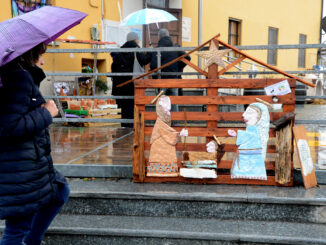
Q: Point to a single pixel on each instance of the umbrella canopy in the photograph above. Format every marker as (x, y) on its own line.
(147, 16)
(24, 32)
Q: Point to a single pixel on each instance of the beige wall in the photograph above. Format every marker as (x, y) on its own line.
(291, 17)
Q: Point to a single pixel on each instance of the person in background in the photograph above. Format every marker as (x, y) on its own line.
(32, 192)
(166, 41)
(128, 62)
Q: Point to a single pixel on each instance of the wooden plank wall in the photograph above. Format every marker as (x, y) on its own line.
(212, 117)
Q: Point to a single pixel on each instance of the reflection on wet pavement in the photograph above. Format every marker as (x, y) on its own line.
(78, 145)
(81, 145)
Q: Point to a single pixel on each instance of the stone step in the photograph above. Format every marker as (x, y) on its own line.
(100, 230)
(124, 198)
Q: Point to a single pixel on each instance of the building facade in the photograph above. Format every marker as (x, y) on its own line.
(250, 22)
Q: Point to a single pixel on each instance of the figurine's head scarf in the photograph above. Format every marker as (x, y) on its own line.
(163, 107)
(262, 125)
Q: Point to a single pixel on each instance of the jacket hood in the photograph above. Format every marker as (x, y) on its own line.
(129, 44)
(165, 42)
(36, 72)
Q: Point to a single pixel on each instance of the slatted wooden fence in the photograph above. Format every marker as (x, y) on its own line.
(213, 117)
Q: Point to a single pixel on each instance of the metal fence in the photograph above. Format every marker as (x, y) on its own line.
(159, 51)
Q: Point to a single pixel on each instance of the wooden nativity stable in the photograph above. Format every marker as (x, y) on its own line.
(278, 164)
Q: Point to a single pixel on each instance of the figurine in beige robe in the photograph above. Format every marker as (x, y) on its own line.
(162, 156)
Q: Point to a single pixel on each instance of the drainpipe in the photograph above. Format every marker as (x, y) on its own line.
(322, 12)
(319, 53)
(200, 25)
(102, 9)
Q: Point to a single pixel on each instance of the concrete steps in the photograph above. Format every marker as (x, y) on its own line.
(183, 201)
(97, 229)
(121, 212)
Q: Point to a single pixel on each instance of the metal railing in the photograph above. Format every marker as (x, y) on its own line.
(173, 49)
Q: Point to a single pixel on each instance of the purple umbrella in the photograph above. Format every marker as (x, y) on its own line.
(24, 32)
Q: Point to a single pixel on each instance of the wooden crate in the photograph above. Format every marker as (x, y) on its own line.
(106, 114)
(212, 117)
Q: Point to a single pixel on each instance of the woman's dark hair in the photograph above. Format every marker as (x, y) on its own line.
(33, 55)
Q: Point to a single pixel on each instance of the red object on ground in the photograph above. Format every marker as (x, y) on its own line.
(84, 41)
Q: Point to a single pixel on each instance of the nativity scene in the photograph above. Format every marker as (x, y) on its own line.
(199, 147)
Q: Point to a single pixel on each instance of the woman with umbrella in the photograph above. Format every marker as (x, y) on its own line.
(32, 192)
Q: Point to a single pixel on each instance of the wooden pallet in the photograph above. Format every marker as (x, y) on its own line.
(109, 116)
(212, 116)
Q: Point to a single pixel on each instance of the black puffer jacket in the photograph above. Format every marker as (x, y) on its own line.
(167, 57)
(124, 62)
(28, 179)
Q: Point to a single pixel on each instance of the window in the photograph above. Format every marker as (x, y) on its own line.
(157, 3)
(234, 34)
(302, 51)
(272, 39)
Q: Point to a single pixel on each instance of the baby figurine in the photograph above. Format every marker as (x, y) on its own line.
(162, 155)
(249, 162)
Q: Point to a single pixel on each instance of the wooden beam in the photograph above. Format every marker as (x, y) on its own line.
(169, 63)
(210, 116)
(222, 179)
(234, 63)
(209, 83)
(219, 100)
(194, 67)
(201, 131)
(202, 147)
(265, 64)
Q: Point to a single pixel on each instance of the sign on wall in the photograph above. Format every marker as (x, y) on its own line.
(19, 7)
(186, 29)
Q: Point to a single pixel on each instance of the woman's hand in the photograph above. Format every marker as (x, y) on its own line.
(232, 133)
(211, 147)
(184, 132)
(51, 107)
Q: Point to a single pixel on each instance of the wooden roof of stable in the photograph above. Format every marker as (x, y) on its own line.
(218, 42)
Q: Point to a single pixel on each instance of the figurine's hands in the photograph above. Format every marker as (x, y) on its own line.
(232, 133)
(184, 132)
(211, 147)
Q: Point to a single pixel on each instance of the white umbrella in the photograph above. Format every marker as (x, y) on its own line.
(147, 16)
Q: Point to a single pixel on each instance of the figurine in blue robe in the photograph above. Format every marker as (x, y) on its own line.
(249, 162)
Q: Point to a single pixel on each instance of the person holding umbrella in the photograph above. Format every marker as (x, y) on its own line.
(32, 192)
(166, 41)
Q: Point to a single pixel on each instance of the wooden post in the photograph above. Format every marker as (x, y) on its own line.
(135, 156)
(283, 160)
(138, 147)
(141, 148)
(212, 74)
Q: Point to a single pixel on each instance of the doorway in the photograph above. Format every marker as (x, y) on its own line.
(174, 27)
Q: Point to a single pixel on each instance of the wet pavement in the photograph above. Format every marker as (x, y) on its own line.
(113, 146)
(82, 145)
